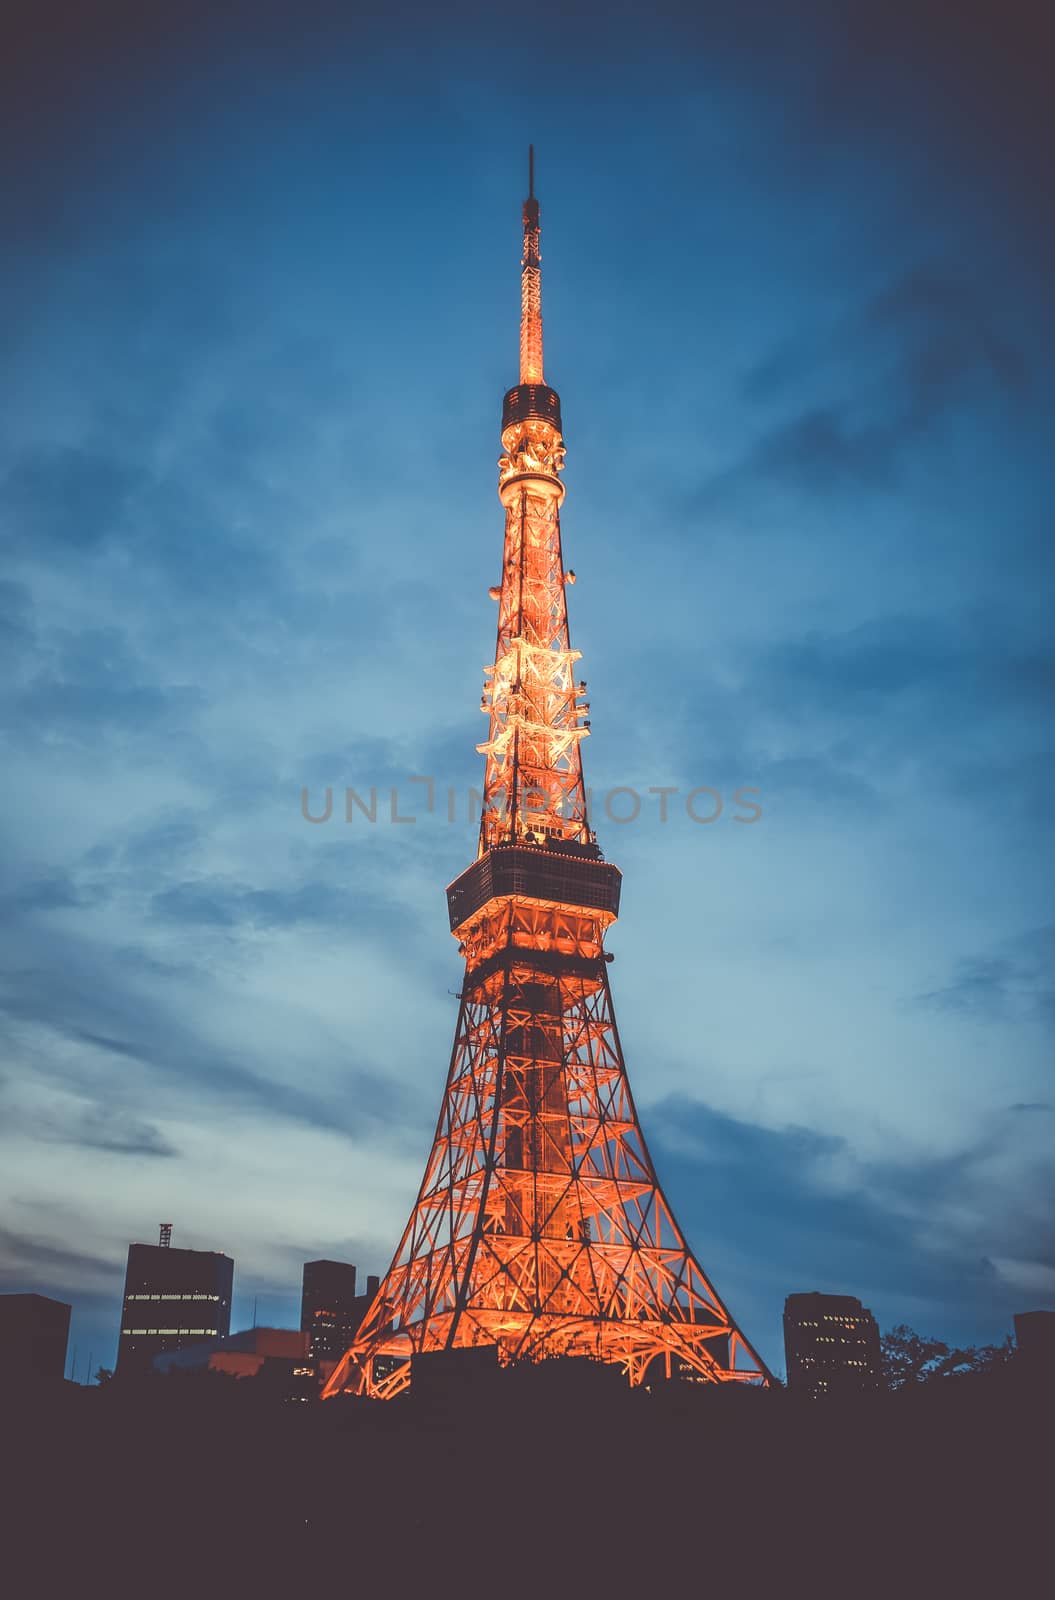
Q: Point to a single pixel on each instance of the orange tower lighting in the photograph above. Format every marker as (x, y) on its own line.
(540, 1225)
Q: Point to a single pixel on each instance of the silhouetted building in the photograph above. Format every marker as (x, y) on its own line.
(1035, 1338)
(831, 1342)
(330, 1309)
(240, 1355)
(173, 1298)
(327, 1307)
(33, 1335)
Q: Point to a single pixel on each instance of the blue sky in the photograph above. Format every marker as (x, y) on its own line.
(259, 308)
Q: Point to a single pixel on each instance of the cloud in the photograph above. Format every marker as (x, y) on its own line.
(34, 1260)
(16, 625)
(927, 347)
(89, 685)
(110, 1127)
(217, 903)
(918, 1236)
(64, 497)
(59, 891)
(979, 662)
(1016, 982)
(106, 1009)
(824, 780)
(950, 334)
(898, 714)
(40, 1261)
(822, 450)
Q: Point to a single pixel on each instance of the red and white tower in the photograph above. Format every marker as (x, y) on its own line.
(540, 1225)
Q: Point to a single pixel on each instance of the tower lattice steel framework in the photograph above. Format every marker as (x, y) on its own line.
(540, 1225)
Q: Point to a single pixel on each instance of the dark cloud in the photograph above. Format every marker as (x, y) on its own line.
(822, 781)
(210, 535)
(28, 1258)
(957, 668)
(1016, 788)
(56, 497)
(59, 891)
(361, 764)
(110, 1128)
(216, 903)
(86, 994)
(1018, 982)
(949, 330)
(113, 1129)
(91, 685)
(796, 1210)
(163, 842)
(956, 705)
(822, 450)
(79, 713)
(103, 1041)
(32, 1262)
(927, 347)
(202, 904)
(17, 633)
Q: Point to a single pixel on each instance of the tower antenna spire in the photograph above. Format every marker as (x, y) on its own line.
(531, 287)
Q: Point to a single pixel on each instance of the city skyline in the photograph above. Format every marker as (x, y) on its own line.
(237, 311)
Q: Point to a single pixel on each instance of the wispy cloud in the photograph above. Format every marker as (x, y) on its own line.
(1017, 983)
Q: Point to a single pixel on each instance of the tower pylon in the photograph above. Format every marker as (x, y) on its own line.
(540, 1225)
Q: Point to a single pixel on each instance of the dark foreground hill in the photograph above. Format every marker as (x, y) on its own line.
(533, 1485)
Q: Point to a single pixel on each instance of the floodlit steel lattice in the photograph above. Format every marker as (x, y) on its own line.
(540, 1226)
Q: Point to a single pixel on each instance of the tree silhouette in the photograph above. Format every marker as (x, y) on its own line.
(910, 1358)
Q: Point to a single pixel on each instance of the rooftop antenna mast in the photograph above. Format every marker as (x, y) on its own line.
(531, 286)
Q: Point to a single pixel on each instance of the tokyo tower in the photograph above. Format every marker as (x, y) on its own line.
(540, 1226)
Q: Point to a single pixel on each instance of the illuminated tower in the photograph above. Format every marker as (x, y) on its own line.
(540, 1226)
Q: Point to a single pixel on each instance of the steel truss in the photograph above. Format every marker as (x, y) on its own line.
(540, 1225)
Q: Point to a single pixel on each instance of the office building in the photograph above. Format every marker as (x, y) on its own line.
(173, 1298)
(1035, 1339)
(831, 1342)
(330, 1309)
(34, 1332)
